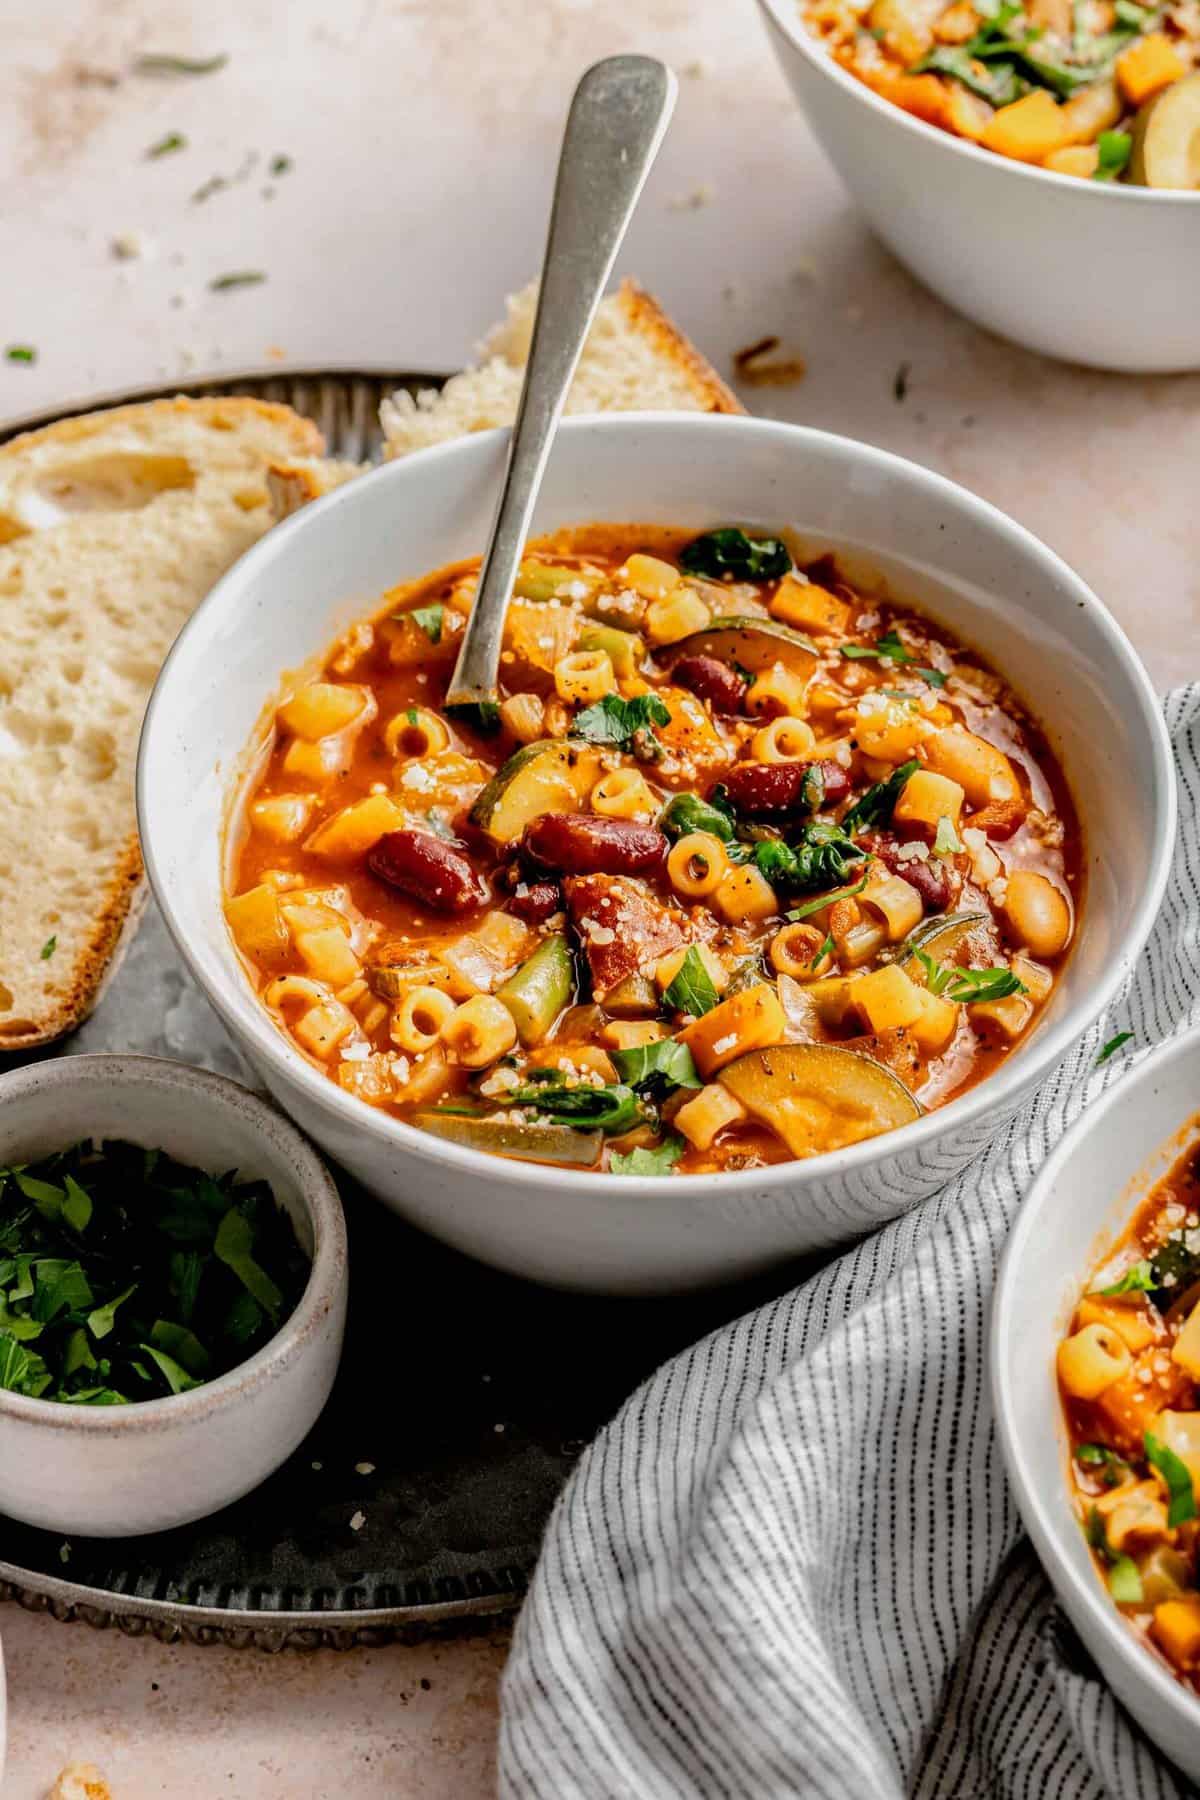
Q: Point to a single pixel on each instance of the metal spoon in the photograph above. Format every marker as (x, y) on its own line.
(617, 121)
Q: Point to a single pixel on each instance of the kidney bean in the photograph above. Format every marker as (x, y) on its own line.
(537, 903)
(587, 844)
(772, 788)
(432, 871)
(711, 680)
(936, 880)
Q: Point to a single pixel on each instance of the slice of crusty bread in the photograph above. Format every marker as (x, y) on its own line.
(635, 360)
(112, 528)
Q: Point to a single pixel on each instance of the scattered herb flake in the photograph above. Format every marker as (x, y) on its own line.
(20, 353)
(1113, 1045)
(180, 65)
(968, 987)
(166, 146)
(825, 950)
(812, 906)
(48, 948)
(430, 619)
(239, 278)
(279, 165)
(900, 382)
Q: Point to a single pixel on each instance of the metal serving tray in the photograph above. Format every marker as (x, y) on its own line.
(463, 1399)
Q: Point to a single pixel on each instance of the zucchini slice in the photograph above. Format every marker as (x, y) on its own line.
(819, 1097)
(535, 1143)
(940, 938)
(552, 775)
(754, 644)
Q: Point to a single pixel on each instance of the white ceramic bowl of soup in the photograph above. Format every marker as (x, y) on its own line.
(951, 554)
(1082, 1201)
(1093, 272)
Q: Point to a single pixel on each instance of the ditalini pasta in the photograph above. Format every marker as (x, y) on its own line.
(747, 864)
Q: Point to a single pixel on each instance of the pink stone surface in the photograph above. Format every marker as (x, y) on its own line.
(422, 140)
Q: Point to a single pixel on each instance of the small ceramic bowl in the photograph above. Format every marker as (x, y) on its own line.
(1080, 1203)
(1091, 271)
(119, 1471)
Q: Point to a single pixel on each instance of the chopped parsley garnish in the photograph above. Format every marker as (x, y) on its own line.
(691, 990)
(812, 906)
(890, 649)
(1115, 147)
(174, 140)
(1177, 1476)
(1003, 60)
(821, 857)
(660, 1067)
(1138, 1279)
(180, 65)
(430, 619)
(20, 353)
(127, 1276)
(1113, 1045)
(48, 948)
(613, 720)
(729, 552)
(966, 987)
(686, 813)
(946, 841)
(877, 805)
(238, 279)
(825, 950)
(658, 1161)
(588, 1108)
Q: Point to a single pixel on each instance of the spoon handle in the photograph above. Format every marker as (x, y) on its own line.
(617, 120)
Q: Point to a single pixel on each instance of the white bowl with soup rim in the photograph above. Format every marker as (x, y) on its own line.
(975, 571)
(1093, 272)
(1083, 1200)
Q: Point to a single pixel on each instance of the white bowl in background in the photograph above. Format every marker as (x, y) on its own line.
(1093, 272)
(1082, 1200)
(949, 552)
(119, 1471)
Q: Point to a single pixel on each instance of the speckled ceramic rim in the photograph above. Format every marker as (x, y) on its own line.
(317, 1192)
(785, 15)
(247, 1020)
(1102, 1615)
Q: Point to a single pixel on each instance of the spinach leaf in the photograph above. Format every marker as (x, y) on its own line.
(688, 812)
(658, 1161)
(613, 720)
(729, 551)
(820, 858)
(877, 805)
(233, 1245)
(660, 1067)
(691, 990)
(612, 1108)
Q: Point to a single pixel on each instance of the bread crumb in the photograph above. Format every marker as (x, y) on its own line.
(80, 1781)
(133, 246)
(364, 1468)
(693, 201)
(759, 365)
(358, 1521)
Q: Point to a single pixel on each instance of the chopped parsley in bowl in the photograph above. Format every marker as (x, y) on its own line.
(126, 1275)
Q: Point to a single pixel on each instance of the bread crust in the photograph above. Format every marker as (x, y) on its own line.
(644, 314)
(120, 906)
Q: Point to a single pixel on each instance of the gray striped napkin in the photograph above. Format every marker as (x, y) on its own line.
(791, 1565)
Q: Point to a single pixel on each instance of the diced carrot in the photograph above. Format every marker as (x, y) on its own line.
(1148, 65)
(1028, 130)
(1176, 1629)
